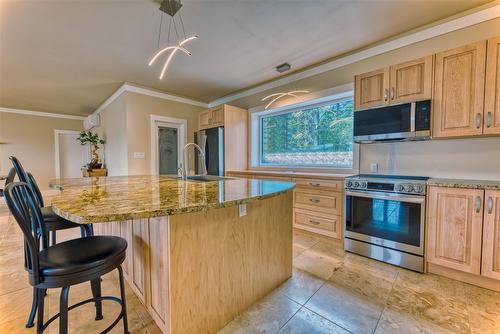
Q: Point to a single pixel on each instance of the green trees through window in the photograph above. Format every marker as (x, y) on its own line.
(318, 136)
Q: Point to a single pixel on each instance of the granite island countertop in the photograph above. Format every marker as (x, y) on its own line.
(119, 198)
(464, 183)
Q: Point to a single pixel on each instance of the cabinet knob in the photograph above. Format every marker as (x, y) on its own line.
(478, 204)
(490, 205)
(478, 120)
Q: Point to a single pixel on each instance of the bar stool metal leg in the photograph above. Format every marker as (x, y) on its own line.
(95, 284)
(41, 300)
(124, 304)
(34, 305)
(63, 311)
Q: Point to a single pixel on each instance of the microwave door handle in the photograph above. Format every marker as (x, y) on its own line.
(413, 108)
(389, 197)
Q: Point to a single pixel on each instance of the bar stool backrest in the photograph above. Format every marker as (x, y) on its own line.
(27, 178)
(10, 176)
(24, 207)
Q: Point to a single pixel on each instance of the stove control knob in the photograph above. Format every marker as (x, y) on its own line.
(363, 184)
(417, 188)
(408, 188)
(356, 184)
(349, 184)
(398, 187)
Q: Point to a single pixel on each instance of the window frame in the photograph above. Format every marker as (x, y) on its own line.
(256, 153)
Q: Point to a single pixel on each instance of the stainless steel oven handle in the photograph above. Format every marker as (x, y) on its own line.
(390, 197)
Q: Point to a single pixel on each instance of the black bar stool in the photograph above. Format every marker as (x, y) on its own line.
(67, 263)
(9, 179)
(52, 221)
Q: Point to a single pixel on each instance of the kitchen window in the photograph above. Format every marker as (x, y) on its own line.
(318, 135)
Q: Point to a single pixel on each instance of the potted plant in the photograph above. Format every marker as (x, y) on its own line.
(87, 137)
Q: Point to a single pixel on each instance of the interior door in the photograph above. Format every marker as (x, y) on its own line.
(454, 223)
(491, 236)
(459, 91)
(492, 88)
(168, 149)
(70, 154)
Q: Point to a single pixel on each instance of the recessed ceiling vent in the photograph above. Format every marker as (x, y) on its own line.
(283, 67)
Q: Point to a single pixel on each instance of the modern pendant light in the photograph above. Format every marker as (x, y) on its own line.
(171, 7)
(276, 96)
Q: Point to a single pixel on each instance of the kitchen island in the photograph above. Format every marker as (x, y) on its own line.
(194, 258)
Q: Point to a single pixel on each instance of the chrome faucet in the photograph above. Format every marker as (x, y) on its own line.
(184, 167)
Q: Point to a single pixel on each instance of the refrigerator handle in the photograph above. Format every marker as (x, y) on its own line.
(204, 147)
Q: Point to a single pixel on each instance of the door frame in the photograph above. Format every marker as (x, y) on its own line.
(57, 153)
(155, 122)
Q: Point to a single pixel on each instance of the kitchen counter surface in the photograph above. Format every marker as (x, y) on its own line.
(120, 198)
(464, 183)
(291, 174)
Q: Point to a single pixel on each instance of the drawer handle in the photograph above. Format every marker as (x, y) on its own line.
(478, 120)
(314, 200)
(478, 204)
(314, 184)
(315, 222)
(490, 205)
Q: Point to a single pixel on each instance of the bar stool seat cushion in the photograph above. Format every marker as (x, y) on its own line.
(83, 254)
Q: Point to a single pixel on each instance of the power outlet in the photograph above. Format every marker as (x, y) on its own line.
(374, 167)
(242, 210)
(139, 155)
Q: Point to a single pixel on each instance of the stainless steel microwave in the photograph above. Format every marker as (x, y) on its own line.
(406, 121)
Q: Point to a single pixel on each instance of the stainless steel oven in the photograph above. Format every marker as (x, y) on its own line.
(385, 218)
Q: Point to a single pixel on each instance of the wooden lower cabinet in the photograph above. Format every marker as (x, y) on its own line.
(454, 226)
(491, 235)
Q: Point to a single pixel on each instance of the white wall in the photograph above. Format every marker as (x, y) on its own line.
(477, 158)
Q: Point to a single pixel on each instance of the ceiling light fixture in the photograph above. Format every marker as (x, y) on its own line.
(171, 7)
(278, 96)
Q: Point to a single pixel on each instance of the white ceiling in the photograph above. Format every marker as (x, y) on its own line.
(69, 56)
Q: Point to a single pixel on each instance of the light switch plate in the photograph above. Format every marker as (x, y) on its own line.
(139, 155)
(242, 210)
(374, 167)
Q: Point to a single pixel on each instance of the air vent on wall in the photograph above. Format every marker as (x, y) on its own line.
(283, 67)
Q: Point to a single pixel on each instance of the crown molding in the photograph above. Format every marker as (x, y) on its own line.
(126, 87)
(40, 114)
(427, 33)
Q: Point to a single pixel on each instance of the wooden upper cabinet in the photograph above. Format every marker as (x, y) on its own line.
(492, 88)
(459, 91)
(411, 81)
(491, 236)
(454, 225)
(204, 119)
(212, 118)
(371, 89)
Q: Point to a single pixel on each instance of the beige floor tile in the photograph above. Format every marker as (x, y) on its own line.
(317, 263)
(266, 316)
(330, 248)
(346, 308)
(297, 250)
(308, 322)
(301, 286)
(431, 298)
(394, 322)
(484, 310)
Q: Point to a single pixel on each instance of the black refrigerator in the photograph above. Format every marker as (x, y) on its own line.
(211, 142)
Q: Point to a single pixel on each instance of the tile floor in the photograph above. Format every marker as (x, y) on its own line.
(330, 292)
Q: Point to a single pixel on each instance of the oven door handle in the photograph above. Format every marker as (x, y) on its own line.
(390, 197)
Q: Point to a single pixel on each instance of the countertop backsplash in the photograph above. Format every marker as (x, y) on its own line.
(477, 158)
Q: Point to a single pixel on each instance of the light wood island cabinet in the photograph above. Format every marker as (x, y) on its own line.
(317, 199)
(491, 235)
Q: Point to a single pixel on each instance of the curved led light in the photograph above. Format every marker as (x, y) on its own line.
(278, 96)
(174, 50)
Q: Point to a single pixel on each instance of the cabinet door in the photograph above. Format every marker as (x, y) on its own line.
(204, 119)
(491, 235)
(371, 89)
(218, 116)
(411, 81)
(459, 91)
(140, 260)
(492, 89)
(454, 225)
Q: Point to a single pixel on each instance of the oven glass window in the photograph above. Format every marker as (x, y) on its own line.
(392, 119)
(390, 220)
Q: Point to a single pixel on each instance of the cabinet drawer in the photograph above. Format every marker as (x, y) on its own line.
(307, 219)
(332, 185)
(318, 201)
